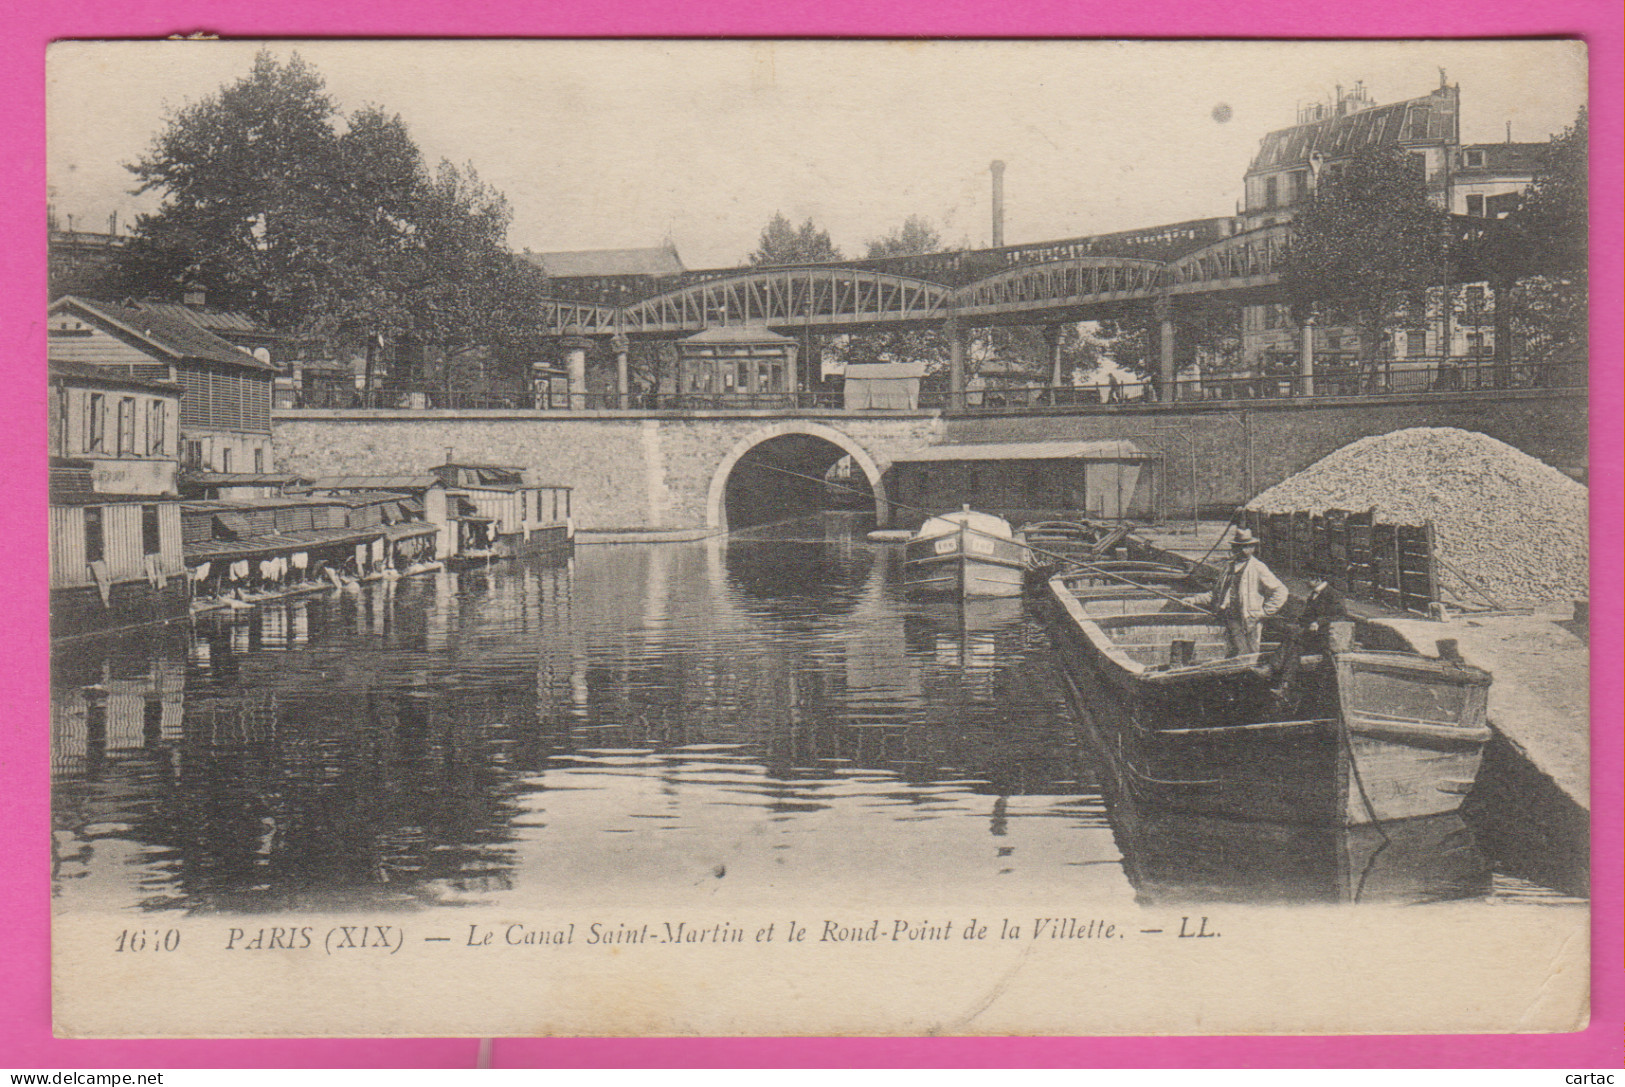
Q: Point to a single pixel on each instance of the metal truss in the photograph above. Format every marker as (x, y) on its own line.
(1059, 285)
(1241, 261)
(838, 298)
(788, 298)
(580, 318)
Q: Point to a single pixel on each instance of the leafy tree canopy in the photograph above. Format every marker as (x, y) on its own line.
(915, 236)
(782, 243)
(323, 225)
(1552, 219)
(1369, 234)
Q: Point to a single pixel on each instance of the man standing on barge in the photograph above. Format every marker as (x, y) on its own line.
(1246, 594)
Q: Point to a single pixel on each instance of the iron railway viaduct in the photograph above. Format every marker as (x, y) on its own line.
(676, 467)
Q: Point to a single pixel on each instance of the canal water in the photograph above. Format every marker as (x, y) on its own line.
(748, 721)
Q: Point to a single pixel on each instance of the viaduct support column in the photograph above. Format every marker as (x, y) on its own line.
(1052, 340)
(623, 378)
(1306, 358)
(807, 358)
(956, 362)
(575, 362)
(1166, 374)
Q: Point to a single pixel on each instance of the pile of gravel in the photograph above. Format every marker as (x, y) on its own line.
(1516, 528)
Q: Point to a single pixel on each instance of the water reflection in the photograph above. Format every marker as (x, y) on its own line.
(756, 721)
(613, 729)
(1174, 857)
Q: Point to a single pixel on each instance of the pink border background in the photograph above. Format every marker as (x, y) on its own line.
(25, 1039)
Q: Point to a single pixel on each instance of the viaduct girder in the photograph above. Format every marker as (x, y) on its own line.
(1240, 263)
(819, 296)
(1243, 268)
(1057, 289)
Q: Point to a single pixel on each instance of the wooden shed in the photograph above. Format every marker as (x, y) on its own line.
(1026, 481)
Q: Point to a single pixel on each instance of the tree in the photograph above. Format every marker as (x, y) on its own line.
(926, 345)
(781, 243)
(328, 227)
(1369, 235)
(1545, 243)
(1552, 219)
(247, 177)
(914, 237)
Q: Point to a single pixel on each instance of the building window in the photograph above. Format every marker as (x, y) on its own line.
(95, 422)
(126, 426)
(150, 544)
(94, 546)
(63, 419)
(1271, 192)
(192, 453)
(1474, 160)
(1475, 205)
(225, 460)
(259, 459)
(1417, 123)
(155, 428)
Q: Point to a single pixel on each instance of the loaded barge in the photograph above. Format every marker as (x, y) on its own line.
(1359, 736)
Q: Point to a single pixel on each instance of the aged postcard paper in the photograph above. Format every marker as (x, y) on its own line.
(818, 538)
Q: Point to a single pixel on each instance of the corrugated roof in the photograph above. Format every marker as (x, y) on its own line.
(361, 498)
(265, 502)
(105, 375)
(1116, 449)
(405, 530)
(282, 543)
(374, 483)
(593, 263)
(215, 320)
(241, 479)
(102, 498)
(168, 336)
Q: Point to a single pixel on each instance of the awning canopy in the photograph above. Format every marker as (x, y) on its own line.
(281, 543)
(405, 530)
(1117, 449)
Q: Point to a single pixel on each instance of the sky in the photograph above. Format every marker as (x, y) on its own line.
(603, 144)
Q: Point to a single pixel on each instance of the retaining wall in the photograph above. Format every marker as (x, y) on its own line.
(665, 469)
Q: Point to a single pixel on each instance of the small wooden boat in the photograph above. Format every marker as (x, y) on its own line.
(964, 554)
(1363, 735)
(1057, 546)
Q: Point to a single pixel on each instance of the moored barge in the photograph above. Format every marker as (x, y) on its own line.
(1361, 735)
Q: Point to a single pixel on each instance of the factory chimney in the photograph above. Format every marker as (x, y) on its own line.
(998, 202)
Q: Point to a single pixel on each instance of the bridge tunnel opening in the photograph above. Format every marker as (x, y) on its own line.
(792, 476)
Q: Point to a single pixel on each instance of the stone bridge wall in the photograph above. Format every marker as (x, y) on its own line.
(628, 471)
(1240, 451)
(667, 470)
